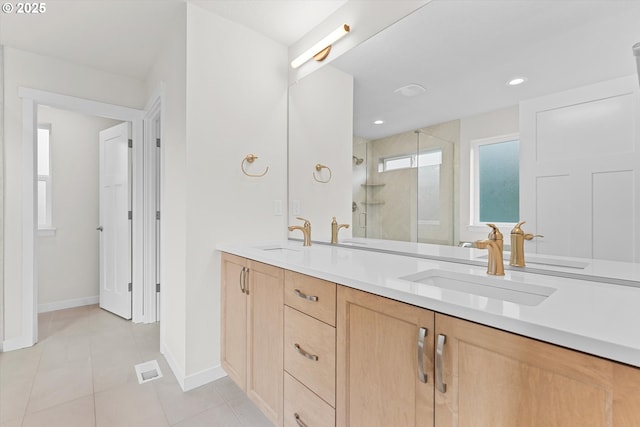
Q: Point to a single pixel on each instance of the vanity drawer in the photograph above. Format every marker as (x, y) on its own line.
(301, 402)
(310, 353)
(315, 297)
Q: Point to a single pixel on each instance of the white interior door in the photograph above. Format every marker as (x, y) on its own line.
(580, 171)
(115, 224)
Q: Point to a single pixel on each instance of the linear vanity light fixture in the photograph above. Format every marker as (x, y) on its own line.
(320, 50)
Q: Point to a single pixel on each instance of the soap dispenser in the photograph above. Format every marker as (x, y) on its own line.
(517, 244)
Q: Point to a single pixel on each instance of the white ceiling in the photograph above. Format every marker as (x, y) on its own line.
(464, 51)
(284, 21)
(124, 36)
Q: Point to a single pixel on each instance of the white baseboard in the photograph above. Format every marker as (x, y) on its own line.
(173, 364)
(203, 377)
(15, 344)
(189, 382)
(69, 303)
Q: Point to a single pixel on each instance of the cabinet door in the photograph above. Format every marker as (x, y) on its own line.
(265, 338)
(498, 379)
(233, 319)
(378, 355)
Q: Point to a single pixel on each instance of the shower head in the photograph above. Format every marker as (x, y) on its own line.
(636, 52)
(357, 160)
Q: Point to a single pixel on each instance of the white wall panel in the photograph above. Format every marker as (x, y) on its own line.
(554, 215)
(586, 129)
(613, 215)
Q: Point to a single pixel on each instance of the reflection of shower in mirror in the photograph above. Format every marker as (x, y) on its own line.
(357, 161)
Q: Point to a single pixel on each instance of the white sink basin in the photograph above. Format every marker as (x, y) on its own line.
(494, 287)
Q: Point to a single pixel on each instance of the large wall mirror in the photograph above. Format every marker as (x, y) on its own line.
(442, 140)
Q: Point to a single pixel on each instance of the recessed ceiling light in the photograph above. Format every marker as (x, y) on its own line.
(378, 122)
(516, 81)
(410, 90)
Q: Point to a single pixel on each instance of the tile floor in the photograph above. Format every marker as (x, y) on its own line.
(81, 373)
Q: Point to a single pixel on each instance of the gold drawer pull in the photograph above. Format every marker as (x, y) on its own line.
(311, 298)
(299, 421)
(305, 354)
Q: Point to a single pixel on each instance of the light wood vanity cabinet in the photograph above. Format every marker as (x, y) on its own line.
(309, 351)
(478, 376)
(499, 379)
(385, 362)
(316, 354)
(252, 331)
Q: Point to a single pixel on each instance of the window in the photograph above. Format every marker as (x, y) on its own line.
(425, 158)
(496, 181)
(44, 177)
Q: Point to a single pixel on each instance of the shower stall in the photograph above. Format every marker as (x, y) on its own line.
(403, 185)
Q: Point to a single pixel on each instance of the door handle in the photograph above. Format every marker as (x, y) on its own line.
(99, 228)
(360, 222)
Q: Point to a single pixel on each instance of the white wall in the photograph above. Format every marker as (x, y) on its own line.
(321, 131)
(236, 104)
(1, 195)
(44, 73)
(494, 123)
(170, 72)
(68, 263)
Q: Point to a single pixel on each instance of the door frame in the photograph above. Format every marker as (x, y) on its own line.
(31, 99)
(153, 190)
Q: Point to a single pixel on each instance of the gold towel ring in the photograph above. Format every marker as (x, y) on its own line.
(250, 159)
(319, 167)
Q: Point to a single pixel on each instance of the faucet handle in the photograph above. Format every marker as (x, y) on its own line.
(529, 236)
(306, 221)
(495, 233)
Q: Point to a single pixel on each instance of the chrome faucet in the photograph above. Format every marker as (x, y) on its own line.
(494, 244)
(517, 245)
(306, 230)
(335, 227)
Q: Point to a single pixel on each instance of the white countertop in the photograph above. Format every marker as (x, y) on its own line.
(594, 317)
(627, 273)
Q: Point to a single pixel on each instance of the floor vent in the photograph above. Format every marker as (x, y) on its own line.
(148, 371)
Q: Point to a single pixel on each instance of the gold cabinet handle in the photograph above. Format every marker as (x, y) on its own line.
(299, 421)
(422, 376)
(311, 298)
(442, 387)
(305, 354)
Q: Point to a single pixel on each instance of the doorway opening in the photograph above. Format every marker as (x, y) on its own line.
(144, 210)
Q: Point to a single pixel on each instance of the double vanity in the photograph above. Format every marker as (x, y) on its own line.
(334, 335)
